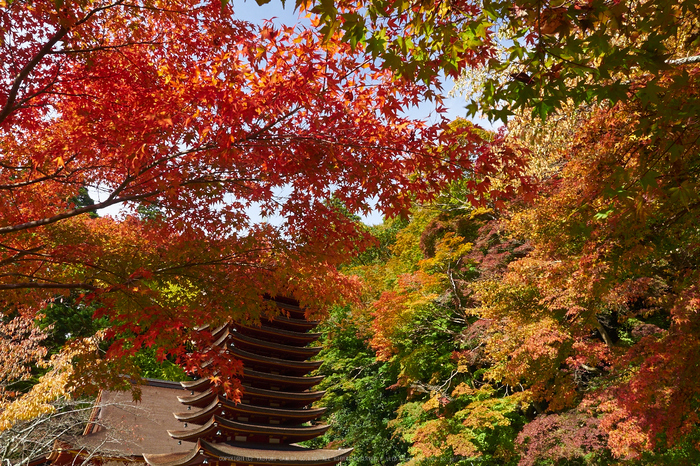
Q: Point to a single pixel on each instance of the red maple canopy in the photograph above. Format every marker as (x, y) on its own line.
(177, 107)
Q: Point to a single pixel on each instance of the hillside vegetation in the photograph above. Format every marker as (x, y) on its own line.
(562, 329)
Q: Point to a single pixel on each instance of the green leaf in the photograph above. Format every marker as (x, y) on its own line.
(603, 214)
(649, 179)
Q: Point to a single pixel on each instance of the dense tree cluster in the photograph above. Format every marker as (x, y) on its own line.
(192, 120)
(561, 330)
(538, 303)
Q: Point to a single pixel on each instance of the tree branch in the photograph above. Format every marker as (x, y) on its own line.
(57, 286)
(46, 49)
(73, 213)
(9, 106)
(20, 254)
(685, 61)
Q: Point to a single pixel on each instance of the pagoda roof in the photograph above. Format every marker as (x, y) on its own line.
(285, 455)
(291, 323)
(219, 330)
(305, 366)
(191, 457)
(298, 350)
(207, 412)
(292, 309)
(199, 384)
(208, 394)
(217, 422)
(198, 398)
(300, 337)
(203, 383)
(223, 336)
(215, 332)
(307, 382)
(279, 394)
(291, 305)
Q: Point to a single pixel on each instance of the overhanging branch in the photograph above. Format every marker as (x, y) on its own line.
(57, 286)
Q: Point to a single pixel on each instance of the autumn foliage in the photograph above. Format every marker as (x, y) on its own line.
(196, 119)
(541, 304)
(562, 328)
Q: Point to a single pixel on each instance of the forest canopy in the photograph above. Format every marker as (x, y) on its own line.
(534, 302)
(189, 116)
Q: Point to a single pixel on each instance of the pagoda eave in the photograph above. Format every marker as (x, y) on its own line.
(221, 341)
(234, 428)
(288, 323)
(218, 404)
(199, 400)
(302, 352)
(200, 384)
(284, 380)
(236, 454)
(189, 458)
(298, 399)
(280, 335)
(299, 368)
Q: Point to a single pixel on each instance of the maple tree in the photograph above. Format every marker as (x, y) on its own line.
(530, 55)
(579, 307)
(608, 233)
(20, 348)
(563, 329)
(501, 322)
(179, 109)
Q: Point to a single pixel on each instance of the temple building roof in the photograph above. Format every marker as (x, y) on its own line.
(245, 454)
(190, 423)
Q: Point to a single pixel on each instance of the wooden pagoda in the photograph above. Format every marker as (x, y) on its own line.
(274, 412)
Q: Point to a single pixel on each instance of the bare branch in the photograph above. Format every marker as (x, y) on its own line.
(102, 48)
(685, 61)
(58, 286)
